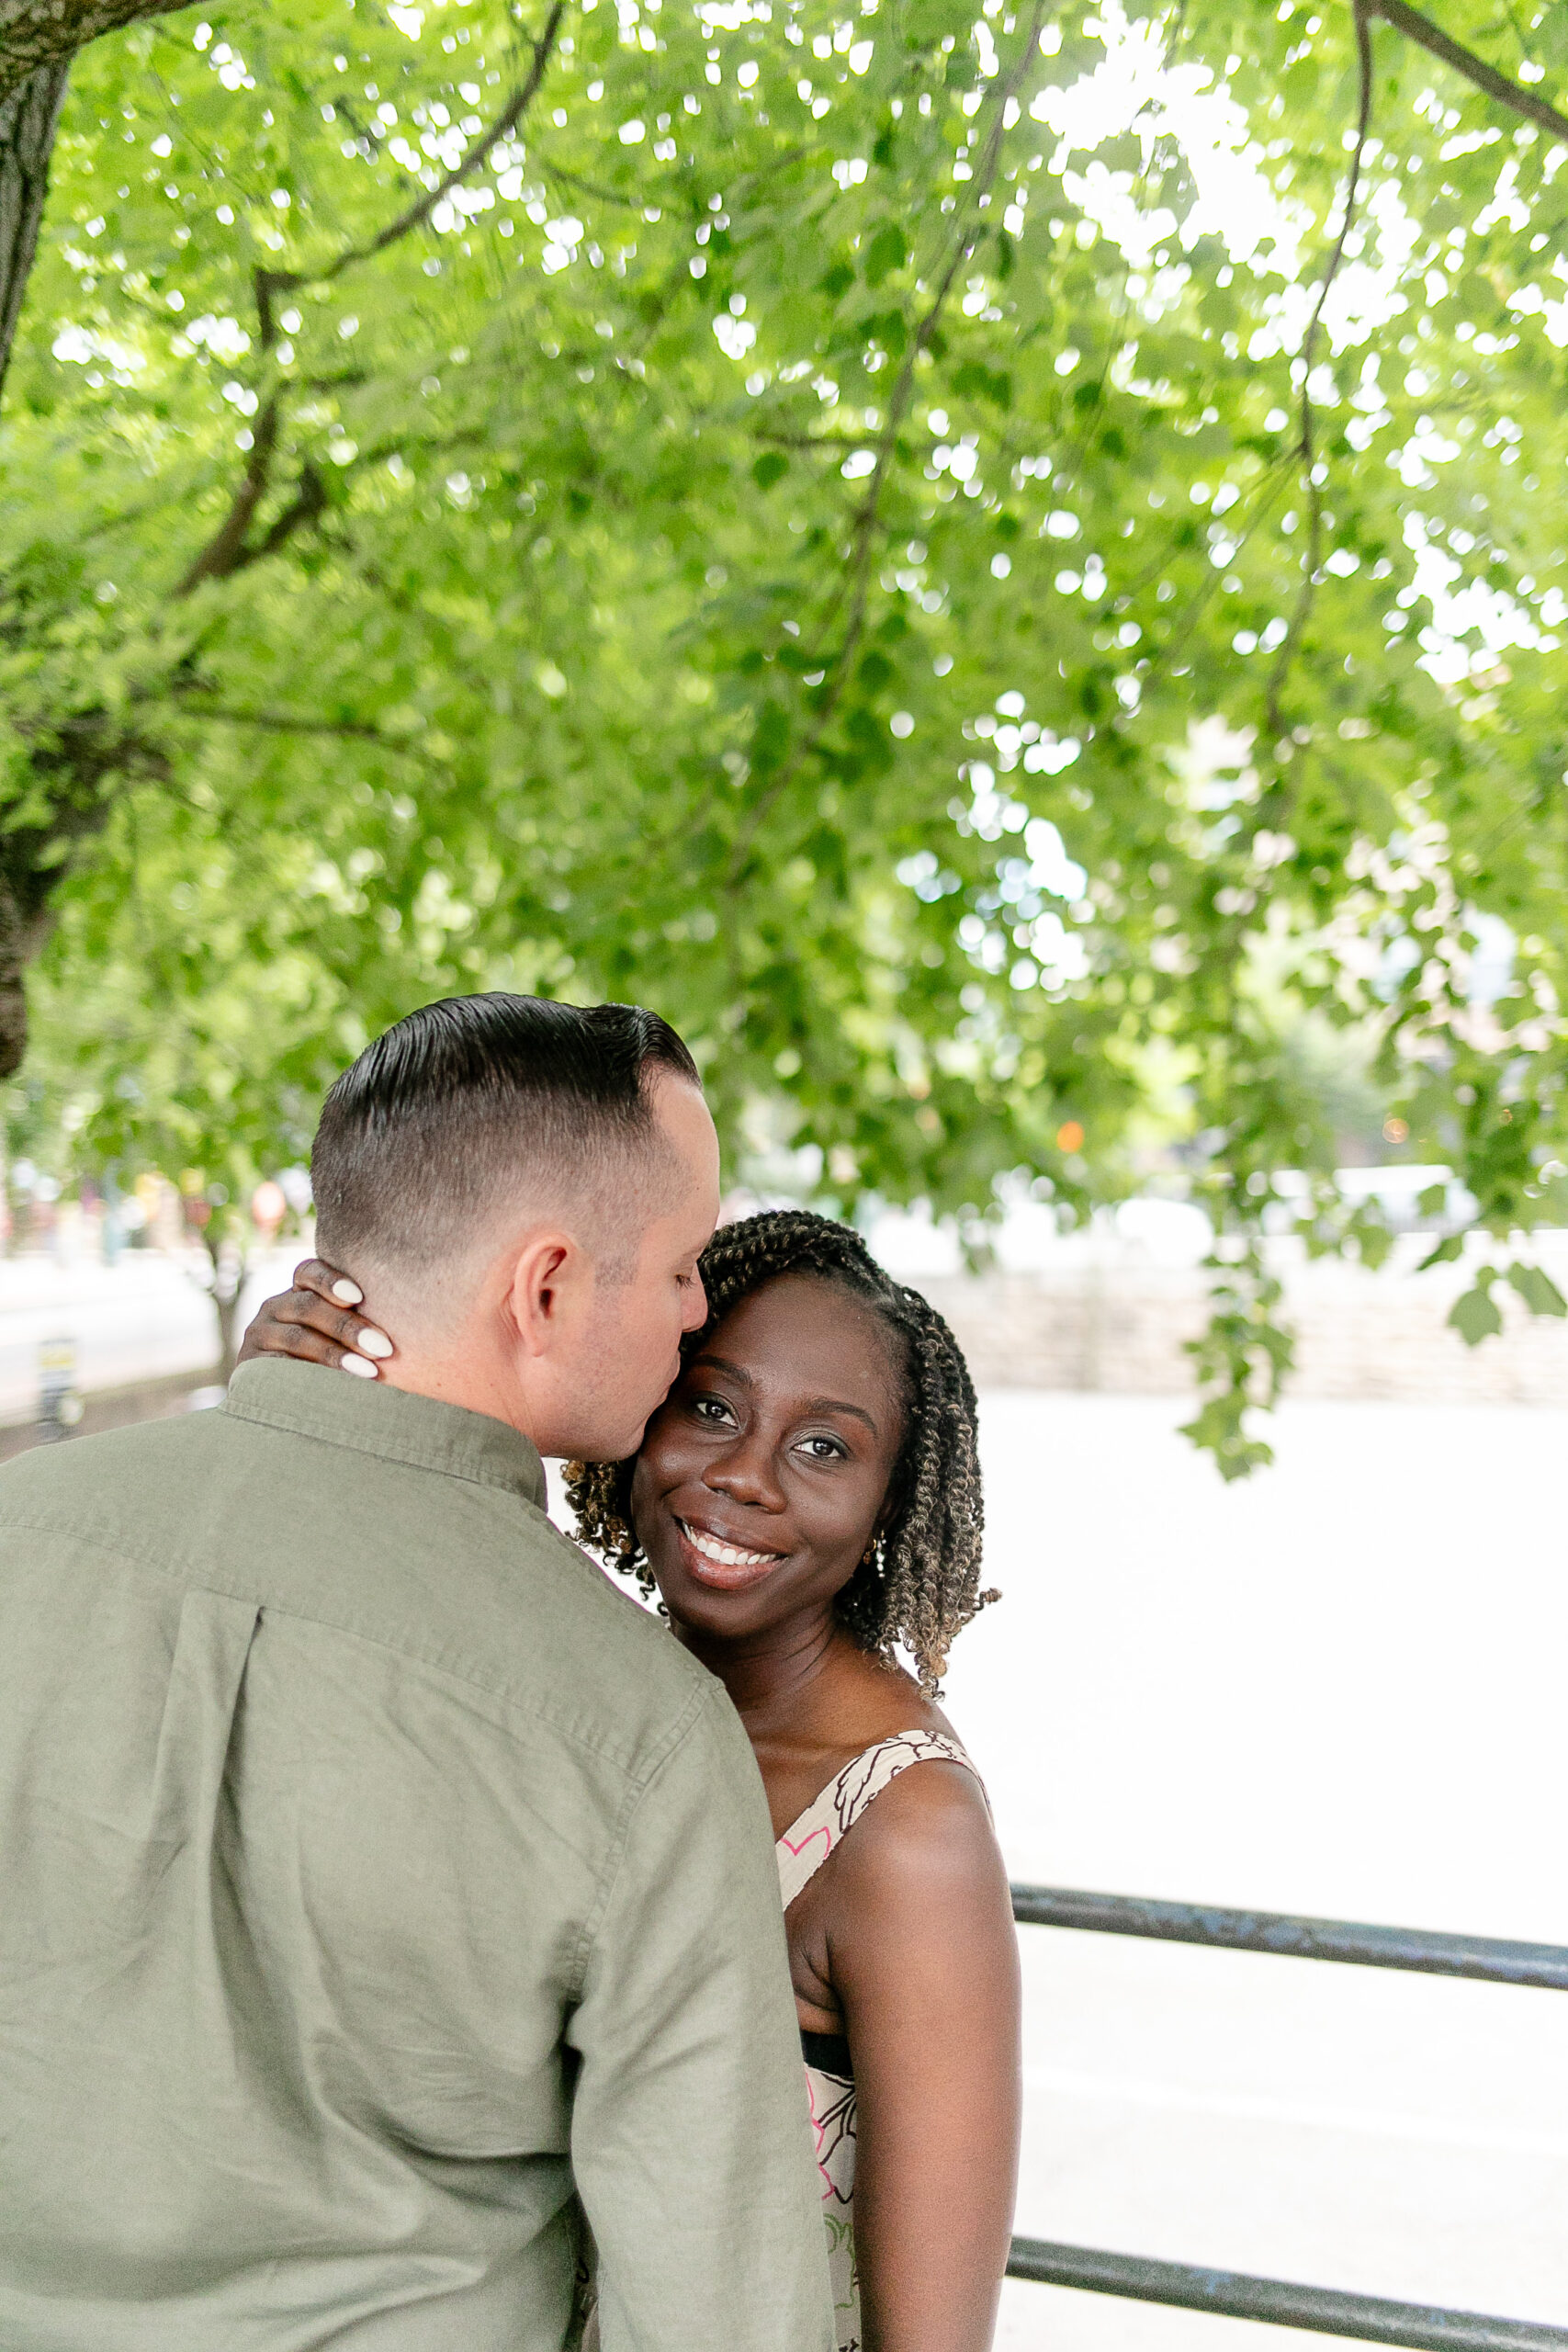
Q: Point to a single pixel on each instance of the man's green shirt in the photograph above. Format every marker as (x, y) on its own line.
(373, 1875)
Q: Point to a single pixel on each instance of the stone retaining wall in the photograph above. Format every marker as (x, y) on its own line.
(1359, 1335)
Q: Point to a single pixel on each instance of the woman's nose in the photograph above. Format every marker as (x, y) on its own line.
(746, 1474)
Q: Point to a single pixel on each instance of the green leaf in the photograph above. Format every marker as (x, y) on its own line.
(886, 252)
(1475, 1316)
(1537, 1290)
(770, 468)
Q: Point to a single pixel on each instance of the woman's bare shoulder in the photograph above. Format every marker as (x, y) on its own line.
(928, 1833)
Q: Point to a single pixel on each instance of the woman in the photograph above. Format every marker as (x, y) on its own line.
(806, 1501)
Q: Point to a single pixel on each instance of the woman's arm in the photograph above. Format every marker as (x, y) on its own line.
(923, 1955)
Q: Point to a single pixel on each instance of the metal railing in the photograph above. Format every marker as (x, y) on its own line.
(1372, 2319)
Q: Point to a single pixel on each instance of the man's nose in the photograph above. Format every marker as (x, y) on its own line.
(696, 1313)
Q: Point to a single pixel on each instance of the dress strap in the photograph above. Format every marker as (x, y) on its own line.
(806, 1843)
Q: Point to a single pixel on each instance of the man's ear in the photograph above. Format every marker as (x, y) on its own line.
(547, 1270)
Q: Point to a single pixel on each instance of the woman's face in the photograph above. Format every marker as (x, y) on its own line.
(761, 1478)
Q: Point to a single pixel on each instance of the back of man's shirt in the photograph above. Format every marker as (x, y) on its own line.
(370, 1869)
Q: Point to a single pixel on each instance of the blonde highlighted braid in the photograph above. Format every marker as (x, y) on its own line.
(920, 1587)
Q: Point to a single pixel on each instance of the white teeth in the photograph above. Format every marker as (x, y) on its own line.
(724, 1555)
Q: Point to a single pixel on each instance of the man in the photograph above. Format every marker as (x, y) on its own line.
(374, 1874)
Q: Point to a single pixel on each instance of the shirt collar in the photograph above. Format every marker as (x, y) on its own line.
(371, 1417)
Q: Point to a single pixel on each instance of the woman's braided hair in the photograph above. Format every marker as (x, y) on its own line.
(920, 1587)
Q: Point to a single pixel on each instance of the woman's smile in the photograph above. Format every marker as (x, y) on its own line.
(712, 1559)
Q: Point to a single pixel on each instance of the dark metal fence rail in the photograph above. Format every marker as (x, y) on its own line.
(1370, 2319)
(1425, 1950)
(1367, 2317)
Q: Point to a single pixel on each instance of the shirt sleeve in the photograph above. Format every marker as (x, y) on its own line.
(691, 2136)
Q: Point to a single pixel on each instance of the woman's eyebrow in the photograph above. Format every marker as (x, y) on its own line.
(722, 1363)
(815, 1405)
(836, 1404)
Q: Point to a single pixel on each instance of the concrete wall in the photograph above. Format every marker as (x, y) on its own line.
(1119, 1327)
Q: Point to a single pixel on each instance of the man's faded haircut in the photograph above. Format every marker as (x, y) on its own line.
(480, 1101)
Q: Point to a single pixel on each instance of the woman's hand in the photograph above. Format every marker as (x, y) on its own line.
(312, 1322)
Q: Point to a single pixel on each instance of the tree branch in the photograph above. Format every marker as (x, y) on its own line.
(865, 522)
(275, 281)
(1415, 28)
(230, 550)
(283, 722)
(308, 505)
(224, 552)
(1364, 10)
(575, 181)
(831, 444)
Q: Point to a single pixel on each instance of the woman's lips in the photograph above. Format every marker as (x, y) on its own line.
(726, 1567)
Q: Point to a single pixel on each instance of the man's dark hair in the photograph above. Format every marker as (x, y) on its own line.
(419, 1139)
(921, 1586)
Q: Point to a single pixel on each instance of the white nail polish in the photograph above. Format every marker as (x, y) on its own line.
(371, 1342)
(350, 1293)
(360, 1369)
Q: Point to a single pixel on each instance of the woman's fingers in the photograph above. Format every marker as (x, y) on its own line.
(314, 1273)
(302, 1324)
(318, 1281)
(282, 1334)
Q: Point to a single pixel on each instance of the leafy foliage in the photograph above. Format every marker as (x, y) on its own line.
(932, 548)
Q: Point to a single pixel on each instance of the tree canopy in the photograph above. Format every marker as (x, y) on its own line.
(1003, 569)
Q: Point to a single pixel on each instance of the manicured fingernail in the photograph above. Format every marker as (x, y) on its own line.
(350, 1293)
(360, 1369)
(373, 1343)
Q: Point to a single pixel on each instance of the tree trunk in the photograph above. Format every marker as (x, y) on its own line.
(38, 40)
(13, 991)
(28, 119)
(36, 33)
(228, 1313)
(229, 1263)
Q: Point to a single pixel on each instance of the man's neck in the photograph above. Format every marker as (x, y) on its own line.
(463, 1378)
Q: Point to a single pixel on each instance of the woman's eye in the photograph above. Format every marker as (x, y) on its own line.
(709, 1408)
(823, 1449)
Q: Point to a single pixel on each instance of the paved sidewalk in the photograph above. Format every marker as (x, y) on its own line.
(1335, 1688)
(144, 1319)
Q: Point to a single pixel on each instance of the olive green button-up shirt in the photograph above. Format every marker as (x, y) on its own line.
(372, 1874)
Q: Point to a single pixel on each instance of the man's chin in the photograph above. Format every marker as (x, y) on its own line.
(620, 1445)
